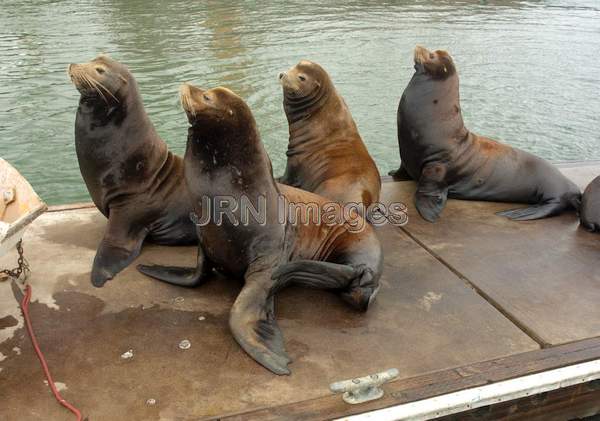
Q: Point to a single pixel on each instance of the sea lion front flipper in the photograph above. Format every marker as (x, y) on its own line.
(181, 276)
(252, 322)
(119, 247)
(432, 191)
(534, 212)
(400, 174)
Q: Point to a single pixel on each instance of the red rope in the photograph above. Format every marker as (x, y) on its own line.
(36, 347)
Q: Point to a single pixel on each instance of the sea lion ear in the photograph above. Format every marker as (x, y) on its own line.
(318, 84)
(123, 79)
(230, 111)
(445, 69)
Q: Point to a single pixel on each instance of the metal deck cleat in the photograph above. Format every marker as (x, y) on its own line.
(363, 389)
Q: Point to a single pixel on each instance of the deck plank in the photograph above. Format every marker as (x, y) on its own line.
(426, 319)
(439, 383)
(544, 274)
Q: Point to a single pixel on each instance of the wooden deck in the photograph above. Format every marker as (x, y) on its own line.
(470, 300)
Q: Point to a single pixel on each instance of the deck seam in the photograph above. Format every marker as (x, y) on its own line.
(506, 313)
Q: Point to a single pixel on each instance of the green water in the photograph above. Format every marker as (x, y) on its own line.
(530, 71)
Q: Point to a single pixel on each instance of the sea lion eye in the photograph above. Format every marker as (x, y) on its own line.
(302, 78)
(206, 97)
(100, 70)
(431, 56)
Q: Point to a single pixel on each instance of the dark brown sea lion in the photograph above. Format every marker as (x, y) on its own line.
(225, 158)
(131, 176)
(589, 213)
(448, 160)
(326, 154)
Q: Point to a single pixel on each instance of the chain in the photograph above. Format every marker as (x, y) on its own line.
(21, 269)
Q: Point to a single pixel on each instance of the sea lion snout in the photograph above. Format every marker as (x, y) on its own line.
(291, 82)
(74, 71)
(70, 71)
(185, 89)
(284, 80)
(421, 54)
(187, 92)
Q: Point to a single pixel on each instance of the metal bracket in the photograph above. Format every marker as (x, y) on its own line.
(363, 389)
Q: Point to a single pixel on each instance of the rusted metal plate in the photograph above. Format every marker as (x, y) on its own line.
(545, 274)
(425, 319)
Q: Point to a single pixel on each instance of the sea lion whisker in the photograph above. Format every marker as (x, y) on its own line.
(107, 91)
(78, 76)
(97, 88)
(99, 84)
(93, 85)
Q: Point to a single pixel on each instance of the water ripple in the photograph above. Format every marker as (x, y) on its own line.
(529, 70)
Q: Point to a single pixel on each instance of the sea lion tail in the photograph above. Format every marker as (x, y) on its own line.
(357, 283)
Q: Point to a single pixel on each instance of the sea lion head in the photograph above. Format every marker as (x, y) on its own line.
(102, 78)
(303, 81)
(435, 64)
(219, 121)
(212, 107)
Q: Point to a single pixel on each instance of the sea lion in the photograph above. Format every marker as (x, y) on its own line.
(448, 160)
(589, 213)
(225, 158)
(131, 176)
(326, 154)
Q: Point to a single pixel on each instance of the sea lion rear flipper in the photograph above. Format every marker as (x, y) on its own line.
(181, 276)
(119, 247)
(400, 174)
(252, 322)
(432, 191)
(533, 212)
(356, 282)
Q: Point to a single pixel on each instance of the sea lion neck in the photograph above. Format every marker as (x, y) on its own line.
(300, 109)
(428, 99)
(215, 144)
